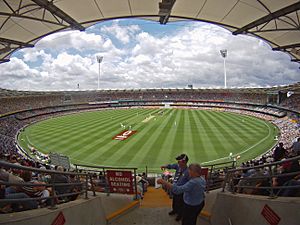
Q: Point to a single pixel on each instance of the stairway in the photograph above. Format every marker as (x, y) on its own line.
(153, 210)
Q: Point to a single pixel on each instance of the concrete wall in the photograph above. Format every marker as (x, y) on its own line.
(92, 211)
(246, 210)
(210, 199)
(114, 202)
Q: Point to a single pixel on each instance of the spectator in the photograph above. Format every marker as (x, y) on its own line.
(60, 179)
(34, 191)
(144, 182)
(296, 146)
(285, 168)
(193, 194)
(180, 178)
(77, 187)
(279, 152)
(252, 173)
(291, 192)
(15, 206)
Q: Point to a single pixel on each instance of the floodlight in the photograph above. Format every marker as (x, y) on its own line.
(99, 60)
(224, 55)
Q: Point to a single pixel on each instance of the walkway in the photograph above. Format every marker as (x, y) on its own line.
(153, 211)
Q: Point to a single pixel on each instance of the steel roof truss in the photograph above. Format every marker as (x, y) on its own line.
(297, 45)
(49, 6)
(165, 9)
(272, 16)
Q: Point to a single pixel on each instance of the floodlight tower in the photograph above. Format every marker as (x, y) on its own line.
(224, 55)
(99, 60)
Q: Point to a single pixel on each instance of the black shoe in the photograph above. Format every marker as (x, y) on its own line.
(178, 218)
(172, 213)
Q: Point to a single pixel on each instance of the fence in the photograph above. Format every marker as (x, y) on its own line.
(216, 173)
(106, 173)
(81, 182)
(263, 179)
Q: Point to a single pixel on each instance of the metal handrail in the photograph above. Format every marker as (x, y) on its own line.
(40, 198)
(265, 177)
(15, 166)
(269, 176)
(104, 168)
(54, 195)
(107, 167)
(27, 184)
(276, 187)
(217, 164)
(265, 164)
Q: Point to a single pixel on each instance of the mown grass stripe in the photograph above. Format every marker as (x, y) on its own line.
(165, 155)
(110, 147)
(140, 145)
(246, 122)
(67, 138)
(245, 133)
(76, 140)
(87, 137)
(212, 131)
(75, 125)
(155, 143)
(229, 143)
(177, 144)
(199, 148)
(209, 147)
(189, 136)
(105, 137)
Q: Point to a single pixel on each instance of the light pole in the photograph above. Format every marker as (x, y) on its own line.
(224, 55)
(99, 60)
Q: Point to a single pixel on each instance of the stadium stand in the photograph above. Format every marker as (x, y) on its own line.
(260, 176)
(21, 108)
(257, 18)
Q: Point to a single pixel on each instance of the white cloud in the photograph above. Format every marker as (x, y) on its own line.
(122, 33)
(187, 55)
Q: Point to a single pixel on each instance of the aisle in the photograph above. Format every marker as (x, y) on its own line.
(153, 211)
(156, 198)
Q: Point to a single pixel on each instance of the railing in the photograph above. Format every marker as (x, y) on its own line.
(103, 169)
(213, 173)
(263, 180)
(82, 184)
(213, 169)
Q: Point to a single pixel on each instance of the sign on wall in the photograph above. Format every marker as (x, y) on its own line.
(270, 215)
(59, 160)
(120, 181)
(59, 220)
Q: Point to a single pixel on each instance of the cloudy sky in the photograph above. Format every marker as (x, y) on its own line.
(144, 54)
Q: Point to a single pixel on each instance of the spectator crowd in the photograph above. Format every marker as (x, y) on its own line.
(43, 106)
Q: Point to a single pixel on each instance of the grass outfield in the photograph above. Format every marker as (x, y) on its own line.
(206, 136)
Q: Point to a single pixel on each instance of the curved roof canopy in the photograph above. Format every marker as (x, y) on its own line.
(24, 22)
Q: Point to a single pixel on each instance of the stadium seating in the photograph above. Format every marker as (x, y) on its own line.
(22, 108)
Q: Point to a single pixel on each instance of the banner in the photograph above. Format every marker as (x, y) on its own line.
(124, 135)
(120, 181)
(60, 160)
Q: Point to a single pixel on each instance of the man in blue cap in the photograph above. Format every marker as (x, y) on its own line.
(181, 177)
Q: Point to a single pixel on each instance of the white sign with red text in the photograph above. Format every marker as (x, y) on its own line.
(124, 135)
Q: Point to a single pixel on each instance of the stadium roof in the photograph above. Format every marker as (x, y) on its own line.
(24, 22)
